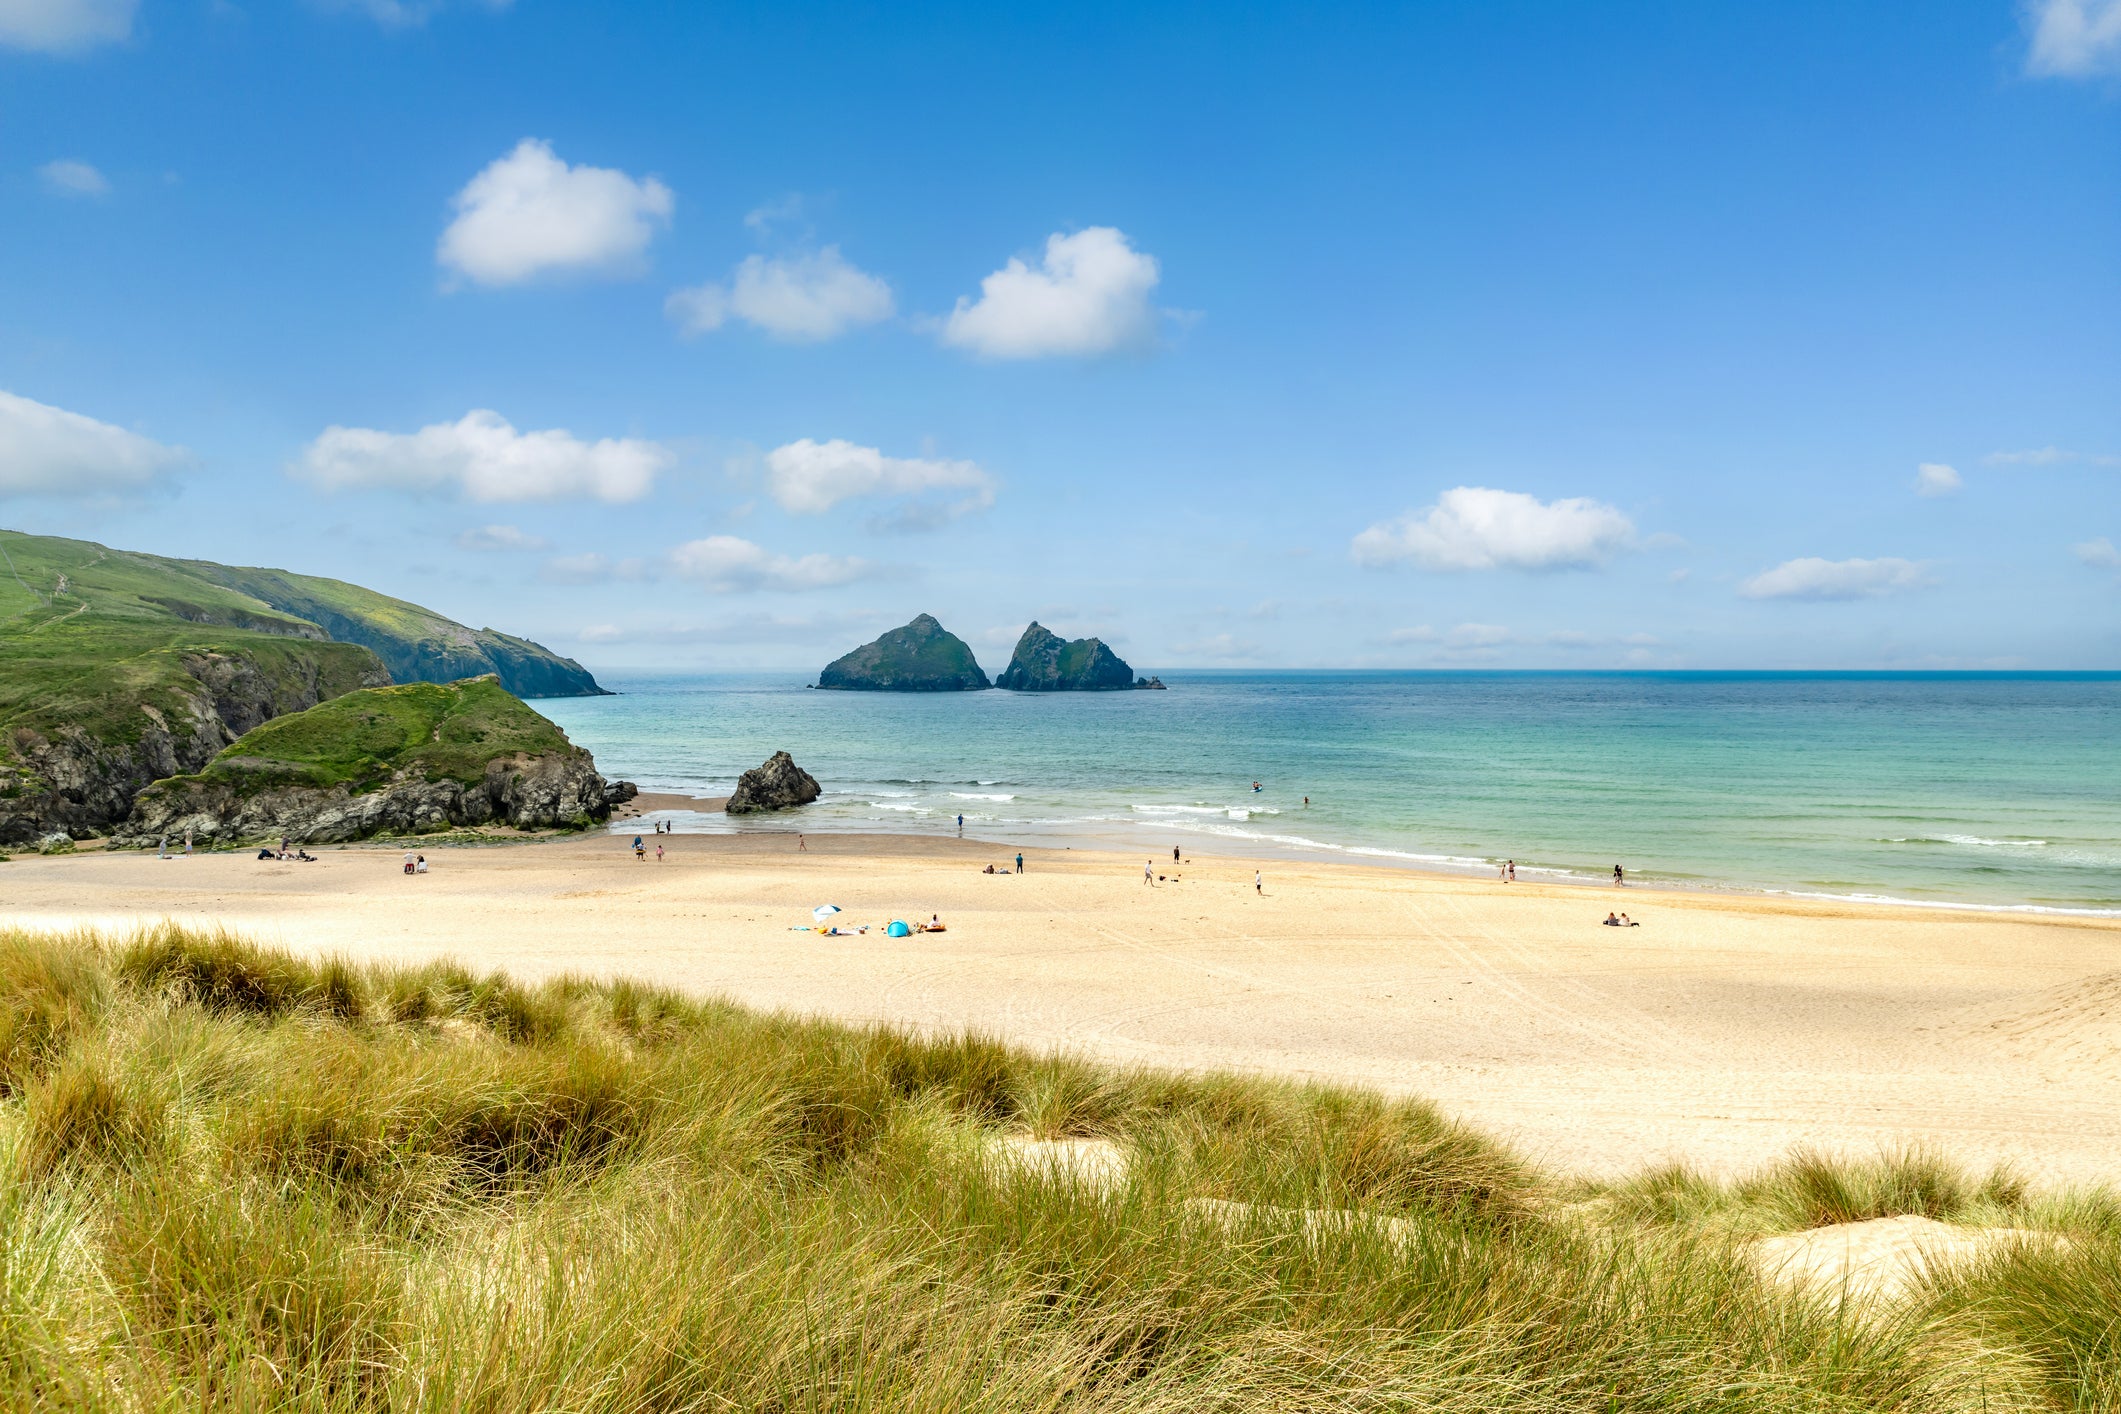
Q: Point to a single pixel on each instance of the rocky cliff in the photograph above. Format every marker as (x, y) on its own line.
(1046, 662)
(396, 760)
(117, 669)
(921, 657)
(78, 765)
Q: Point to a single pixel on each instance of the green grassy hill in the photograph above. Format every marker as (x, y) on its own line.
(117, 669)
(383, 760)
(438, 731)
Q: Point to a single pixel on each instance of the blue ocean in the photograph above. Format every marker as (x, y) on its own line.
(1919, 787)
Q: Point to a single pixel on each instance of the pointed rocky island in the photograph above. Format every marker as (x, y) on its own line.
(921, 657)
(1046, 662)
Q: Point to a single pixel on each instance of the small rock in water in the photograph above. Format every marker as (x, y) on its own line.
(776, 785)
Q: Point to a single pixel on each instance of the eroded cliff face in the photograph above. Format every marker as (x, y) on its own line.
(557, 791)
(66, 779)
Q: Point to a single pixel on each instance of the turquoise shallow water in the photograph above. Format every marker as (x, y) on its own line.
(1939, 788)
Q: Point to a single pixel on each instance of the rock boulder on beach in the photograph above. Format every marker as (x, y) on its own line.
(776, 785)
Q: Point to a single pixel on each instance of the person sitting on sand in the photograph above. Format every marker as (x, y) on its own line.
(1627, 922)
(1612, 920)
(988, 870)
(408, 861)
(419, 866)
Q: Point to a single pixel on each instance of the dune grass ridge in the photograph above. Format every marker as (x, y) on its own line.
(235, 1178)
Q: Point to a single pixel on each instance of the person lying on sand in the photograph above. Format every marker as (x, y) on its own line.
(1612, 920)
(1627, 922)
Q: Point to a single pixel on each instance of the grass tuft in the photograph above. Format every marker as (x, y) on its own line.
(225, 974)
(233, 1179)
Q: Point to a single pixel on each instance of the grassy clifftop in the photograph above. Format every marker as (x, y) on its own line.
(415, 644)
(44, 577)
(434, 731)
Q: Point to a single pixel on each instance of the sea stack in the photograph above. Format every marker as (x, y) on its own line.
(777, 785)
(1046, 662)
(921, 657)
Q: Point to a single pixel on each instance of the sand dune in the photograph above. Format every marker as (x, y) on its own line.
(2073, 1027)
(1725, 1031)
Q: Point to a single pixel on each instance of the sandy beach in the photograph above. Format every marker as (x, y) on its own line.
(1724, 1031)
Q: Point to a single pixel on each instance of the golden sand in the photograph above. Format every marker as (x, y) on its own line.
(1724, 1031)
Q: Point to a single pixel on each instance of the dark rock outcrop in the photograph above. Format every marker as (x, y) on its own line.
(82, 781)
(921, 657)
(534, 793)
(402, 760)
(776, 785)
(1046, 662)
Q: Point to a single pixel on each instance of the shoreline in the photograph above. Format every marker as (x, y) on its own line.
(1353, 856)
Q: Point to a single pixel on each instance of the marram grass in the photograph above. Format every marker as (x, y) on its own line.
(235, 1179)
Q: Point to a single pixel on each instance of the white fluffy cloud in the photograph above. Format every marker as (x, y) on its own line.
(2099, 554)
(64, 26)
(809, 478)
(71, 178)
(1814, 578)
(482, 458)
(1478, 528)
(727, 564)
(2074, 38)
(500, 537)
(48, 451)
(1090, 296)
(530, 214)
(802, 299)
(1936, 479)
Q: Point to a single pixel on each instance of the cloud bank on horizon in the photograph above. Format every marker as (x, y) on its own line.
(751, 359)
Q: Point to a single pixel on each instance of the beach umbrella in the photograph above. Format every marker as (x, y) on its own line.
(824, 911)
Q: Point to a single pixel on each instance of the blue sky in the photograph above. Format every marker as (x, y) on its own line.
(1511, 334)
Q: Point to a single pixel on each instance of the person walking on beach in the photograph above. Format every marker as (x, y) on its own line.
(1259, 885)
(659, 852)
(1510, 871)
(1620, 877)
(1149, 872)
(961, 822)
(1174, 854)
(1019, 861)
(162, 849)
(801, 843)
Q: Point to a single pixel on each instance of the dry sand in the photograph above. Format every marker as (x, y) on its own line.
(1724, 1031)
